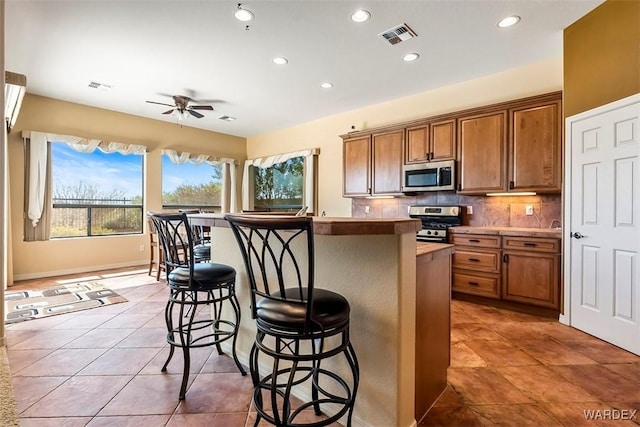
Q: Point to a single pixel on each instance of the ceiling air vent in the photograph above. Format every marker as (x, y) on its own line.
(101, 86)
(398, 34)
(227, 118)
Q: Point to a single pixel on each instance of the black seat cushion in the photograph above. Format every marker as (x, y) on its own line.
(206, 275)
(329, 310)
(202, 251)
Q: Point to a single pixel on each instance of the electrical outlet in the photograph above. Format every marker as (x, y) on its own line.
(469, 210)
(529, 210)
(366, 209)
(141, 248)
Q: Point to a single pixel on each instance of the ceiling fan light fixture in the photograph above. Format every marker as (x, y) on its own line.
(509, 21)
(360, 16)
(243, 15)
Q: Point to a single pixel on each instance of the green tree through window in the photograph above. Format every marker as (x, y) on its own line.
(279, 187)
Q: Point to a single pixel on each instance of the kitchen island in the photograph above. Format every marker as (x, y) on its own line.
(372, 263)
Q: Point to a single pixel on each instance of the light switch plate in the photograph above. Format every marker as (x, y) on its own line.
(529, 210)
(469, 210)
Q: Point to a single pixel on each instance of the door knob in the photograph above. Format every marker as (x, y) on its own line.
(577, 235)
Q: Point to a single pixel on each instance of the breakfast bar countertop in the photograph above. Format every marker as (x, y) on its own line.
(333, 226)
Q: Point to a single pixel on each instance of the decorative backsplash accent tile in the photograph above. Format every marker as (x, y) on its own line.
(487, 211)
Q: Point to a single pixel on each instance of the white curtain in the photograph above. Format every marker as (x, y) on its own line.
(38, 162)
(37, 176)
(229, 203)
(266, 162)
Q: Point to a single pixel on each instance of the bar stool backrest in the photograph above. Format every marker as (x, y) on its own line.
(175, 235)
(279, 257)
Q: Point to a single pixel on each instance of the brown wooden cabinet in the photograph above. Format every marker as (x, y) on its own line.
(357, 166)
(476, 264)
(433, 328)
(372, 164)
(431, 142)
(531, 271)
(387, 149)
(535, 150)
(482, 144)
(521, 269)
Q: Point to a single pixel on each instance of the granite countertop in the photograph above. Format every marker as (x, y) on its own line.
(508, 231)
(334, 226)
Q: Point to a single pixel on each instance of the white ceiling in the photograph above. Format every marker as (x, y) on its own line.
(147, 48)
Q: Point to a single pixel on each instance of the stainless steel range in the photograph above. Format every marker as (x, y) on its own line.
(436, 221)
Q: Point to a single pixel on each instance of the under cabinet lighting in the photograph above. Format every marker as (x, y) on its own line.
(521, 193)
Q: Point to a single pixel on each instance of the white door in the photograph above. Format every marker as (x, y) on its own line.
(602, 214)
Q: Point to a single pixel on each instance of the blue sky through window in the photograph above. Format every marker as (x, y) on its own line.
(175, 175)
(107, 172)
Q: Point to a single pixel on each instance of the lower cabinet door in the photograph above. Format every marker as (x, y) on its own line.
(467, 282)
(532, 278)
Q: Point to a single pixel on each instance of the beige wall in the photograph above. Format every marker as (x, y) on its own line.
(602, 56)
(534, 79)
(35, 259)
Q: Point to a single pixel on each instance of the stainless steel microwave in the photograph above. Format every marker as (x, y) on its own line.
(431, 176)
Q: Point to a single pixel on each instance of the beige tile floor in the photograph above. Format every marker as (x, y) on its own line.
(101, 367)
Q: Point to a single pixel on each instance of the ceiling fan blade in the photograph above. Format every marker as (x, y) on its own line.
(195, 114)
(201, 107)
(169, 111)
(160, 103)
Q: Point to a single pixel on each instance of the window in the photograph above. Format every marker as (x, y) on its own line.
(284, 182)
(189, 185)
(279, 187)
(95, 193)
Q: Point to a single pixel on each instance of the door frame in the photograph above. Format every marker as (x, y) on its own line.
(565, 315)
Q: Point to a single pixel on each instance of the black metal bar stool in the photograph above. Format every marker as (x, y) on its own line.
(193, 285)
(298, 326)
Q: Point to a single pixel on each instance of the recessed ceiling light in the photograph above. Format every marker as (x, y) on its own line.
(509, 21)
(280, 60)
(326, 85)
(410, 57)
(360, 16)
(243, 15)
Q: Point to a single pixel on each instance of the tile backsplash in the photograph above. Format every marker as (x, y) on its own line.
(487, 211)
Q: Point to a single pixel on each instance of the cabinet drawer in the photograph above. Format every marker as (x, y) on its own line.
(476, 240)
(477, 284)
(486, 260)
(535, 244)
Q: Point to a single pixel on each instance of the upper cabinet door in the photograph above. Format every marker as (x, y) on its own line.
(535, 154)
(357, 166)
(418, 148)
(387, 149)
(482, 147)
(443, 140)
(435, 141)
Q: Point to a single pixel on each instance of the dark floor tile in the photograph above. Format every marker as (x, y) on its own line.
(551, 352)
(630, 371)
(513, 415)
(472, 331)
(601, 382)
(449, 397)
(146, 395)
(219, 392)
(55, 422)
(589, 414)
(462, 356)
(454, 416)
(516, 331)
(601, 351)
(130, 421)
(208, 420)
(542, 384)
(28, 390)
(483, 386)
(501, 353)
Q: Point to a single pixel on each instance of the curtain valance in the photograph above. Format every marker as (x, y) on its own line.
(88, 145)
(196, 159)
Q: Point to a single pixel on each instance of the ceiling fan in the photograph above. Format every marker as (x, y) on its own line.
(182, 106)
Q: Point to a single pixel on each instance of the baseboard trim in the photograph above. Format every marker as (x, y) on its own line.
(86, 269)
